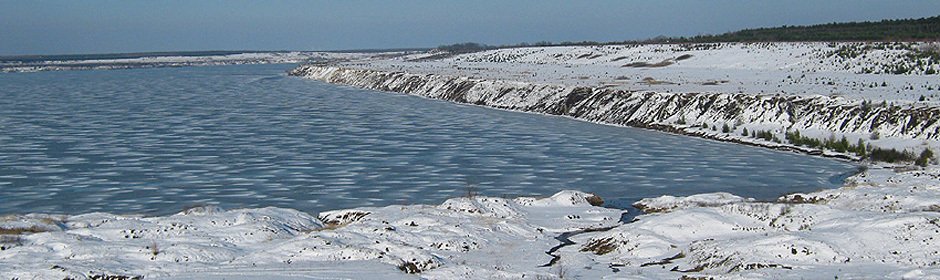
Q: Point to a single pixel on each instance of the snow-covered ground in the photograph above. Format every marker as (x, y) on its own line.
(853, 70)
(467, 236)
(883, 224)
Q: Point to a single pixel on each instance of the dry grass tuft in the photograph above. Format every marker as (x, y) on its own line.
(22, 230)
(595, 200)
(600, 246)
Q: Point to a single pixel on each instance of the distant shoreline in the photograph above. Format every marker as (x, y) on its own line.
(15, 64)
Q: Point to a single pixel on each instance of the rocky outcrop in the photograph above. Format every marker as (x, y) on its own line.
(675, 112)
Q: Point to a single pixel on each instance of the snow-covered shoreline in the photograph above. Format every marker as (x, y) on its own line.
(483, 236)
(13, 66)
(590, 84)
(913, 127)
(882, 224)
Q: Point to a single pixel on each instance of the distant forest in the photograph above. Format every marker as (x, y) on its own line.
(924, 29)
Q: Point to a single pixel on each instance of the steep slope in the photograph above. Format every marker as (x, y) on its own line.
(677, 112)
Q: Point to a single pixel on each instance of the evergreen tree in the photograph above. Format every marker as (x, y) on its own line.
(924, 157)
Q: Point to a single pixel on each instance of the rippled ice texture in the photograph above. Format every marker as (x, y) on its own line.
(153, 141)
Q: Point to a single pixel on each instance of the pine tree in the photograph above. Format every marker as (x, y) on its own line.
(924, 157)
(860, 148)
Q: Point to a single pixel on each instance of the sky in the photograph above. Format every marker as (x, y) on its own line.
(112, 26)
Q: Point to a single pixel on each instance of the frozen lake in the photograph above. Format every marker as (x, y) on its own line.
(154, 141)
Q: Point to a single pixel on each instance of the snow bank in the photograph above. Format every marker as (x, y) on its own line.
(668, 203)
(478, 235)
(882, 189)
(883, 223)
(864, 230)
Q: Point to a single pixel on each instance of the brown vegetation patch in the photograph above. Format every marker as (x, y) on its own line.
(415, 267)
(703, 266)
(648, 210)
(336, 221)
(687, 277)
(754, 266)
(22, 230)
(600, 246)
(800, 199)
(595, 200)
(665, 261)
(114, 277)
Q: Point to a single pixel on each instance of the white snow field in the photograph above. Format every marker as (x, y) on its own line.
(883, 224)
(851, 70)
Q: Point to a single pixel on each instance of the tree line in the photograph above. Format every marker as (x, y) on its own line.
(889, 30)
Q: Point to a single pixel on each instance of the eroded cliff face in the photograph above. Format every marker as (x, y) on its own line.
(677, 112)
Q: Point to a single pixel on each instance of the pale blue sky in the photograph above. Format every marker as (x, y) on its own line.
(105, 26)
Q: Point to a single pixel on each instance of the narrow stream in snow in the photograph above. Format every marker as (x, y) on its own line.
(154, 141)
